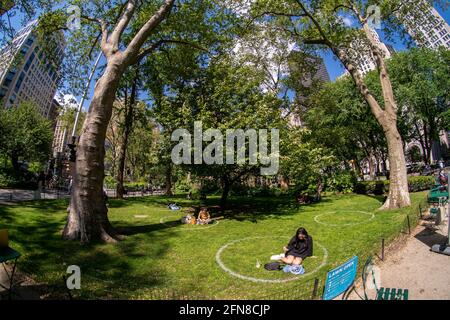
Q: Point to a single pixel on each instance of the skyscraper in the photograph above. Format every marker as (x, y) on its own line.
(27, 73)
(426, 26)
(362, 57)
(311, 72)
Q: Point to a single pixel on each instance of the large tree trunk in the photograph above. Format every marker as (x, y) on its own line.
(87, 220)
(398, 191)
(398, 187)
(226, 184)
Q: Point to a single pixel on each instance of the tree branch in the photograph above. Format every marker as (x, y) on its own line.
(314, 41)
(157, 44)
(142, 35)
(122, 24)
(316, 23)
(103, 30)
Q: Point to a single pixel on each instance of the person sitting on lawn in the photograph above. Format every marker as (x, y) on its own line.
(203, 217)
(300, 247)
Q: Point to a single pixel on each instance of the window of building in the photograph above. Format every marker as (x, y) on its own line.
(29, 41)
(19, 82)
(24, 50)
(2, 92)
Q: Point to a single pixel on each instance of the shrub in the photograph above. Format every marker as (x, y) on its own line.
(415, 184)
(343, 181)
(421, 183)
(22, 179)
(110, 182)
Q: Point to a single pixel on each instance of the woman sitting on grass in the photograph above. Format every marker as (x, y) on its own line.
(203, 217)
(300, 247)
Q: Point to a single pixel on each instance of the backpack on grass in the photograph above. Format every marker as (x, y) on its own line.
(272, 266)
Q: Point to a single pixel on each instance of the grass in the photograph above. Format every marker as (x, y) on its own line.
(170, 260)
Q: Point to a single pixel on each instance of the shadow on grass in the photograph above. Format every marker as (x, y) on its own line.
(107, 270)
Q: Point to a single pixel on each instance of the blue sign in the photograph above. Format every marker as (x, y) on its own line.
(340, 279)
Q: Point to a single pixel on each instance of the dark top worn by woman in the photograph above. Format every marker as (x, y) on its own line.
(301, 249)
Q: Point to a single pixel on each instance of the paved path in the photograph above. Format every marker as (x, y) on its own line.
(413, 266)
(16, 195)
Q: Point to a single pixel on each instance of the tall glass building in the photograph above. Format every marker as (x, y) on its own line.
(426, 26)
(28, 72)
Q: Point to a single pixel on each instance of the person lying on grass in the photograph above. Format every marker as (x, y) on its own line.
(203, 217)
(300, 247)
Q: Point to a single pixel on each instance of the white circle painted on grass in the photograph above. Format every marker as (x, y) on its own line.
(244, 277)
(192, 227)
(370, 214)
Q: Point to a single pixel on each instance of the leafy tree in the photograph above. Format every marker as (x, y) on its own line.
(223, 96)
(320, 25)
(340, 121)
(26, 134)
(421, 80)
(128, 32)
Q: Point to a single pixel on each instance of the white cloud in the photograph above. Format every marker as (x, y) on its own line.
(66, 100)
(347, 21)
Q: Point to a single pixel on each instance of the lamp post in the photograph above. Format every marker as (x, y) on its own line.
(72, 143)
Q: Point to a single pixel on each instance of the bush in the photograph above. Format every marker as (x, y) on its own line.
(421, 183)
(135, 186)
(415, 184)
(343, 181)
(22, 179)
(110, 182)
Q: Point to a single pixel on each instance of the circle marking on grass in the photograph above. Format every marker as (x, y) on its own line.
(194, 227)
(316, 218)
(244, 277)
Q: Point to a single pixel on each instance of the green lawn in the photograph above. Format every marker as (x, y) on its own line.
(161, 258)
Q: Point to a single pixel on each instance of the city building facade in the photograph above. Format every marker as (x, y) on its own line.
(426, 26)
(27, 73)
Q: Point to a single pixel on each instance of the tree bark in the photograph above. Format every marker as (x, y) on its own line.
(225, 191)
(398, 191)
(87, 220)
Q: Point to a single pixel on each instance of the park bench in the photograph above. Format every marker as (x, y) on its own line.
(437, 195)
(382, 293)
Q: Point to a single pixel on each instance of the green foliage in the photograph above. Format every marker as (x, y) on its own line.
(22, 179)
(303, 161)
(341, 181)
(421, 183)
(146, 252)
(382, 186)
(26, 134)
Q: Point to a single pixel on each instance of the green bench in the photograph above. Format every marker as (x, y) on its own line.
(392, 294)
(438, 196)
(382, 292)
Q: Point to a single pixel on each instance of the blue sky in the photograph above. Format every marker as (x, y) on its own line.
(335, 69)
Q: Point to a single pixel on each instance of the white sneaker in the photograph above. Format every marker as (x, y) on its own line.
(277, 257)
